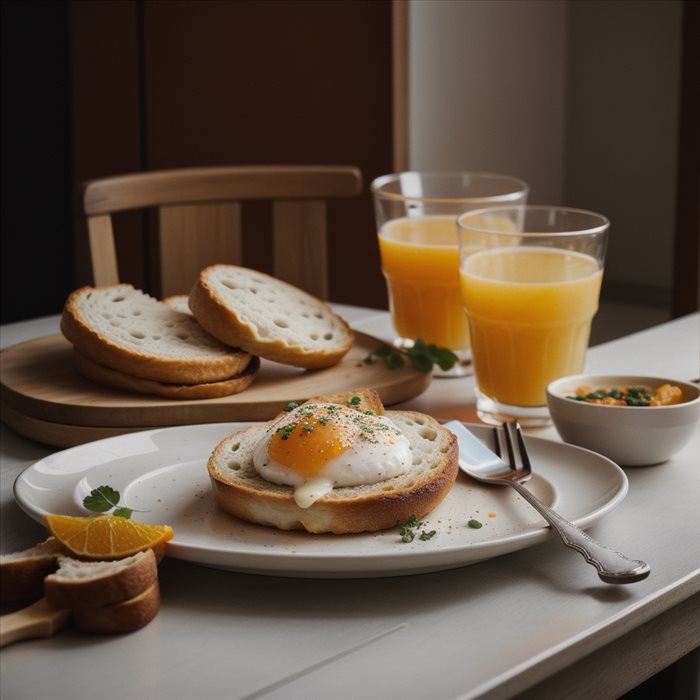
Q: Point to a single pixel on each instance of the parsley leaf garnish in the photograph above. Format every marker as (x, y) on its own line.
(407, 530)
(422, 356)
(287, 430)
(103, 499)
(123, 512)
(406, 533)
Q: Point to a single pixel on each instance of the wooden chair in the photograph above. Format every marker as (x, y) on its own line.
(199, 216)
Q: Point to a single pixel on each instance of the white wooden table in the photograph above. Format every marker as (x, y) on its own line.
(536, 623)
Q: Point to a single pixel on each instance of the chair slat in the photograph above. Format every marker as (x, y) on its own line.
(103, 253)
(300, 246)
(192, 237)
(142, 190)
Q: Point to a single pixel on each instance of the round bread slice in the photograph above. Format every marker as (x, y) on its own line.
(209, 390)
(119, 618)
(125, 329)
(241, 491)
(22, 573)
(89, 584)
(179, 302)
(267, 317)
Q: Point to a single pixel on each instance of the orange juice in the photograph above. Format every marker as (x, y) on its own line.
(420, 260)
(530, 312)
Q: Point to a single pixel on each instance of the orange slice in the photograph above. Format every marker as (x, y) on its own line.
(105, 536)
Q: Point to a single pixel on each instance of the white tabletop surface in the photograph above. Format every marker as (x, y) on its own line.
(538, 620)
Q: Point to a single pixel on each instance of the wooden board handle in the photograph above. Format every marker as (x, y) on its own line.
(37, 620)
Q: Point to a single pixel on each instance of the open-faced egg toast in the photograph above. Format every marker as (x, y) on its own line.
(336, 464)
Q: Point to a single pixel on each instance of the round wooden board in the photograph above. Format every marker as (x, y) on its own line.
(57, 434)
(39, 380)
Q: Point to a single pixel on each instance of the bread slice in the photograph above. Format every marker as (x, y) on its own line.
(22, 573)
(120, 618)
(179, 302)
(267, 317)
(208, 390)
(89, 584)
(359, 399)
(241, 491)
(126, 330)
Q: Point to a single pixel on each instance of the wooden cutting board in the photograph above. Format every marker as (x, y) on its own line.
(44, 397)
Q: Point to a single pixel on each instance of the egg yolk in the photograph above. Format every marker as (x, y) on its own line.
(306, 445)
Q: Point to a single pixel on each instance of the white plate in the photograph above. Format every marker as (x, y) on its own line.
(163, 473)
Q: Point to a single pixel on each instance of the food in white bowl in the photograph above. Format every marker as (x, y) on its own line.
(650, 432)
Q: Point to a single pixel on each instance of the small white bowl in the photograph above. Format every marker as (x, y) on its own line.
(629, 435)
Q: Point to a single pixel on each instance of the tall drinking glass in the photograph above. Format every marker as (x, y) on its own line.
(530, 295)
(416, 214)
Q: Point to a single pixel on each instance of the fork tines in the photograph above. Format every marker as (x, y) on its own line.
(510, 445)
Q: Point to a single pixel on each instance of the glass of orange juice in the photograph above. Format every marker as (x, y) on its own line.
(416, 219)
(530, 291)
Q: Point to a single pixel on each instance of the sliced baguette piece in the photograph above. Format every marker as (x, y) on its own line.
(125, 329)
(88, 584)
(208, 390)
(119, 618)
(241, 491)
(265, 316)
(22, 573)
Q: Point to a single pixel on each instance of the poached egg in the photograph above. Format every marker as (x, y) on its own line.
(318, 446)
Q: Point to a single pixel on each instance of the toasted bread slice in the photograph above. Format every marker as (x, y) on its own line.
(89, 584)
(267, 317)
(241, 491)
(22, 573)
(359, 399)
(126, 330)
(120, 618)
(208, 390)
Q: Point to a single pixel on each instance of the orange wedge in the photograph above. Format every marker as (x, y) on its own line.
(105, 536)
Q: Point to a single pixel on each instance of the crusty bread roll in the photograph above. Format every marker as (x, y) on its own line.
(120, 618)
(267, 317)
(89, 584)
(22, 573)
(126, 330)
(208, 390)
(241, 491)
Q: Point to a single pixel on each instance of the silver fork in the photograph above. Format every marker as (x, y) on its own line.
(513, 468)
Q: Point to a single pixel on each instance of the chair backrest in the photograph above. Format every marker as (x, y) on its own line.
(199, 217)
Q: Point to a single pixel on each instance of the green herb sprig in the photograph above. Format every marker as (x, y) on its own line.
(422, 356)
(407, 530)
(105, 498)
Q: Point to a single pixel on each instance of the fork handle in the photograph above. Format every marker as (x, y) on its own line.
(612, 566)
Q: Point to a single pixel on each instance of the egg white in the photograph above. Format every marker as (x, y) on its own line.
(366, 461)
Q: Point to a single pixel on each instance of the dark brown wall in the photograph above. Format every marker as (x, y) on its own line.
(170, 84)
(686, 282)
(36, 261)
